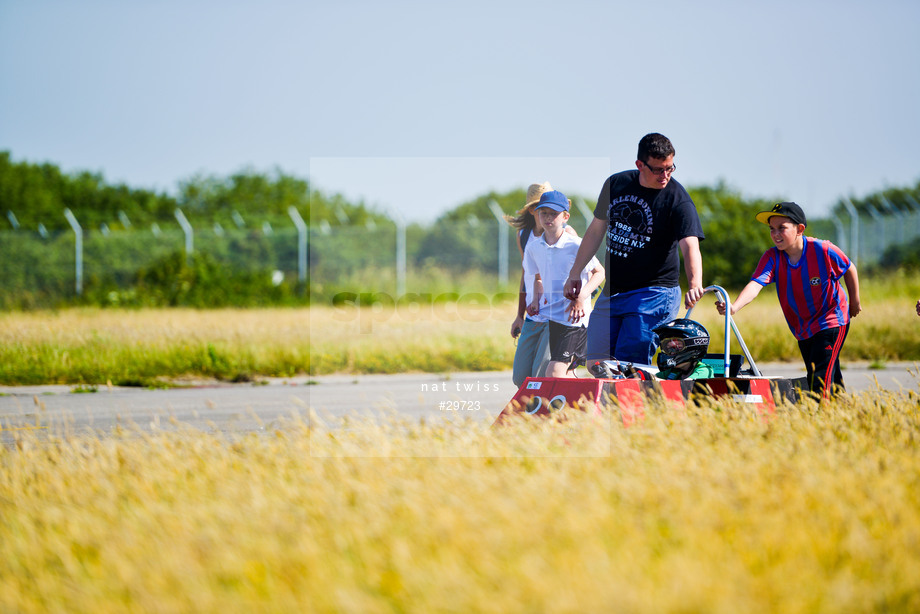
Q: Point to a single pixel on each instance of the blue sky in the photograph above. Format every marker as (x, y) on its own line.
(416, 106)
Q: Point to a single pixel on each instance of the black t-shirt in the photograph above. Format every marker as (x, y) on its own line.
(643, 228)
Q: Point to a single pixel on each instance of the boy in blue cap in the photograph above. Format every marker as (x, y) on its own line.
(547, 261)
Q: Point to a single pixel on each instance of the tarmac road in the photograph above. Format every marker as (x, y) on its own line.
(260, 407)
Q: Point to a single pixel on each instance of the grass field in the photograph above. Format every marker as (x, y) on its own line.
(712, 508)
(708, 509)
(150, 347)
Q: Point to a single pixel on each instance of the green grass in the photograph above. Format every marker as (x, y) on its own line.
(150, 347)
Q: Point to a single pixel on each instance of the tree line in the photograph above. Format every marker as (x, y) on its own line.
(36, 194)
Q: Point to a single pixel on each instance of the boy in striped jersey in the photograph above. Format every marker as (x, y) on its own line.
(807, 274)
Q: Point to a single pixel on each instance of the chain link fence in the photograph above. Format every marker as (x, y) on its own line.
(387, 258)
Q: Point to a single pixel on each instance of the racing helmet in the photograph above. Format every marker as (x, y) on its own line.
(681, 341)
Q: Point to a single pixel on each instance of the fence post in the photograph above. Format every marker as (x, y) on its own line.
(916, 207)
(585, 212)
(880, 240)
(400, 256)
(841, 234)
(187, 229)
(854, 230)
(898, 214)
(301, 243)
(78, 233)
(502, 241)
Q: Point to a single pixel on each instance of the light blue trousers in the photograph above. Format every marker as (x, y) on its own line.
(532, 353)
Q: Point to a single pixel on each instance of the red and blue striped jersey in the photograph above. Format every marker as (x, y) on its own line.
(809, 291)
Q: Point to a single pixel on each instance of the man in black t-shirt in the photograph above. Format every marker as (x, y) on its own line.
(645, 217)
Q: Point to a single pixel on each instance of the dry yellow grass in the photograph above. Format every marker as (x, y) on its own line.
(711, 509)
(93, 346)
(158, 328)
(126, 346)
(429, 338)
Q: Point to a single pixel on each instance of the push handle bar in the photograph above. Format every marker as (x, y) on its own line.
(729, 324)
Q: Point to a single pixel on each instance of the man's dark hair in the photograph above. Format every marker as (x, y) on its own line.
(656, 146)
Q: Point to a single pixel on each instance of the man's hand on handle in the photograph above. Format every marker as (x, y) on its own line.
(693, 295)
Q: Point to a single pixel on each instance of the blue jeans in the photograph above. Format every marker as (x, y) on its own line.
(532, 351)
(621, 324)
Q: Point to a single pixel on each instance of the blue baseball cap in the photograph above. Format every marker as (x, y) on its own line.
(553, 199)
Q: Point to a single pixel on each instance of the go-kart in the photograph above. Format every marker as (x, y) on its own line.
(630, 386)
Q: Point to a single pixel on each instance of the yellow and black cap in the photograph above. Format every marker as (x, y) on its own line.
(790, 210)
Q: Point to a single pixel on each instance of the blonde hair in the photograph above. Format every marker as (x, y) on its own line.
(524, 217)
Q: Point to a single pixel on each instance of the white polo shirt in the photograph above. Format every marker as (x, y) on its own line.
(553, 263)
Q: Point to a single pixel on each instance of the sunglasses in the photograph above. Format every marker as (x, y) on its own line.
(661, 171)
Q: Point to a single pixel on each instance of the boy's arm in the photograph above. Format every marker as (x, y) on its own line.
(579, 306)
(534, 307)
(851, 279)
(531, 269)
(595, 279)
(748, 294)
